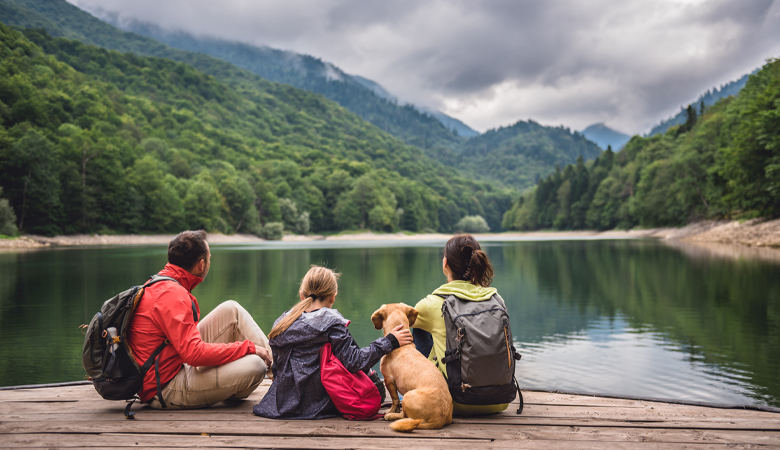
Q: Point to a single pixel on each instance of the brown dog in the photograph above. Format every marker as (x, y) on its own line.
(427, 402)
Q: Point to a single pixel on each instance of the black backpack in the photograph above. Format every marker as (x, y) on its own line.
(480, 356)
(106, 357)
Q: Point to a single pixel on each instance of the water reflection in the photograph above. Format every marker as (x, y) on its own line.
(625, 317)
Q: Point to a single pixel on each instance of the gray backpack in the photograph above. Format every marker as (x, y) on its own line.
(480, 356)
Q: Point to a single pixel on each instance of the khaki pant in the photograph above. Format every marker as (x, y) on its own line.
(200, 387)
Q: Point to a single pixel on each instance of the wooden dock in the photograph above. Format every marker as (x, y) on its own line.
(76, 417)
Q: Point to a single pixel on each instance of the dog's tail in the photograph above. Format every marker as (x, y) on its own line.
(405, 425)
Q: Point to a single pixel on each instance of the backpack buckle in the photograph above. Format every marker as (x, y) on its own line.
(461, 333)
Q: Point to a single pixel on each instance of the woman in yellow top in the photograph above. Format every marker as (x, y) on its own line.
(469, 274)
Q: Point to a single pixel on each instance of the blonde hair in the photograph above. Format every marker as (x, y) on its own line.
(318, 283)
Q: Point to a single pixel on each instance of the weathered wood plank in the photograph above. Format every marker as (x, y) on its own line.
(550, 400)
(35, 413)
(379, 429)
(407, 440)
(96, 407)
(75, 416)
(338, 427)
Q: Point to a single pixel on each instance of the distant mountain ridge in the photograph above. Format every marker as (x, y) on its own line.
(312, 74)
(709, 98)
(514, 157)
(605, 136)
(521, 154)
(306, 135)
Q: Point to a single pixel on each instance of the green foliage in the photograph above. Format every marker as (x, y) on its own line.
(32, 186)
(7, 217)
(294, 221)
(520, 154)
(472, 224)
(516, 156)
(98, 140)
(404, 122)
(272, 231)
(724, 162)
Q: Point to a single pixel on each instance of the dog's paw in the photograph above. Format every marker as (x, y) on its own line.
(390, 416)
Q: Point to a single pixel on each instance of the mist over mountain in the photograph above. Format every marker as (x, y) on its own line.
(360, 95)
(513, 157)
(239, 139)
(605, 136)
(709, 98)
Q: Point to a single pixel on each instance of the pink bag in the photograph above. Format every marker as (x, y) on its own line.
(354, 394)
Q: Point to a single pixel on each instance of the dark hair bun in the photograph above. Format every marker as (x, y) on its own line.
(467, 260)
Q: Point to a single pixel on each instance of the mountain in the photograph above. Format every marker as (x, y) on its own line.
(724, 163)
(455, 125)
(521, 154)
(515, 157)
(605, 136)
(60, 18)
(709, 98)
(93, 140)
(363, 97)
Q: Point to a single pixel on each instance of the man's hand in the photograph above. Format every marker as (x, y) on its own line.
(404, 336)
(265, 354)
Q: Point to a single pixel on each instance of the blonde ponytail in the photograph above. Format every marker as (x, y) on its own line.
(318, 283)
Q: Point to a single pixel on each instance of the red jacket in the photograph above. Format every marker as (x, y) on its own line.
(165, 311)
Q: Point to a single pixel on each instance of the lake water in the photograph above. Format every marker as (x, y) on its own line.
(632, 317)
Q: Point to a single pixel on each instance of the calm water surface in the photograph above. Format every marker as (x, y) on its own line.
(623, 317)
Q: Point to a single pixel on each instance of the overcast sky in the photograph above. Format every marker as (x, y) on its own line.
(491, 63)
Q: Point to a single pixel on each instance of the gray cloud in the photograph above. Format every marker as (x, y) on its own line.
(628, 63)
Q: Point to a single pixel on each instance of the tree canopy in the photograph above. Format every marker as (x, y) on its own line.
(722, 162)
(93, 140)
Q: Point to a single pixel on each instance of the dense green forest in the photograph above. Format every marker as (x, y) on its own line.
(520, 154)
(708, 98)
(722, 162)
(405, 122)
(537, 148)
(98, 141)
(61, 19)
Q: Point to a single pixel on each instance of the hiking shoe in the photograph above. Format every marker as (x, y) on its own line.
(380, 385)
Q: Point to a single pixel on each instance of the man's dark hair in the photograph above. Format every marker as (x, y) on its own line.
(187, 248)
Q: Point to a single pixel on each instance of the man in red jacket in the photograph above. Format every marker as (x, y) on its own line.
(224, 355)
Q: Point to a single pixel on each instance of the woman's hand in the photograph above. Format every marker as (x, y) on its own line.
(263, 353)
(403, 336)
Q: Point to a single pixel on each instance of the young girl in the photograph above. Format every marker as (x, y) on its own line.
(297, 391)
(469, 274)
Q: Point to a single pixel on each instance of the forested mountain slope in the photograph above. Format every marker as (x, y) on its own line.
(708, 99)
(364, 97)
(95, 140)
(724, 163)
(424, 131)
(520, 154)
(406, 122)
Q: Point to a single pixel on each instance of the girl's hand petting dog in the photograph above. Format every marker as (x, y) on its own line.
(404, 336)
(265, 354)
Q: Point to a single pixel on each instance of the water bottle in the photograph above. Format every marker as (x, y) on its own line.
(112, 334)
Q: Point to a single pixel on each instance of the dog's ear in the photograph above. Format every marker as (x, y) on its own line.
(411, 314)
(378, 317)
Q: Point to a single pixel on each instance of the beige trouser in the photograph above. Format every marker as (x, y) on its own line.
(199, 387)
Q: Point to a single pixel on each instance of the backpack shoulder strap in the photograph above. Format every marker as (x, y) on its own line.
(157, 278)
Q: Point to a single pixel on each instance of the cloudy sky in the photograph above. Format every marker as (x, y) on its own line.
(491, 63)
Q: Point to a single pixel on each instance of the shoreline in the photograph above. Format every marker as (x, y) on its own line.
(756, 233)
